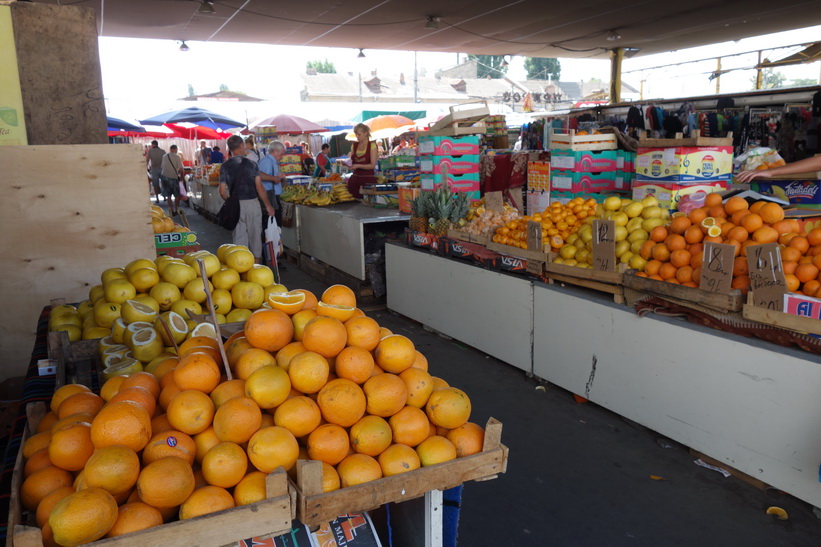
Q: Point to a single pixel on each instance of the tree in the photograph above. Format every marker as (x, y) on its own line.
(538, 68)
(800, 82)
(322, 67)
(191, 91)
(770, 79)
(224, 87)
(489, 65)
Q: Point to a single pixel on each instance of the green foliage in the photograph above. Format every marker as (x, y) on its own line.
(770, 79)
(322, 67)
(538, 68)
(191, 91)
(489, 65)
(224, 87)
(800, 82)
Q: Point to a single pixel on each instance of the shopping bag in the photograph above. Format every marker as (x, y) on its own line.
(228, 215)
(183, 192)
(273, 235)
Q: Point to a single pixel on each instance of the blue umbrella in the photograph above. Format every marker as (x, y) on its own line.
(196, 115)
(116, 124)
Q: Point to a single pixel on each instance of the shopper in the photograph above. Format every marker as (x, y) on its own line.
(364, 156)
(240, 175)
(153, 161)
(272, 178)
(323, 161)
(216, 155)
(803, 166)
(250, 150)
(204, 154)
(172, 173)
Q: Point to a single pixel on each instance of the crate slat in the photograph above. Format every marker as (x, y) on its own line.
(725, 303)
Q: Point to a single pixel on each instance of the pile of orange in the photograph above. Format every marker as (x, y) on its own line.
(674, 252)
(183, 441)
(558, 222)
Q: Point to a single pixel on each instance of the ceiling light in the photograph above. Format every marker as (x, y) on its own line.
(184, 46)
(433, 23)
(361, 54)
(206, 7)
(612, 35)
(630, 51)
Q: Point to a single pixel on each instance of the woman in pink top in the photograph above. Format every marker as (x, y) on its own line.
(363, 160)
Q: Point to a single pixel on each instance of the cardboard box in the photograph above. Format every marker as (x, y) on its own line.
(457, 183)
(565, 197)
(571, 181)
(801, 193)
(583, 161)
(808, 219)
(449, 146)
(538, 175)
(298, 179)
(175, 239)
(685, 163)
(624, 181)
(670, 193)
(537, 201)
(402, 175)
(395, 162)
(178, 251)
(803, 306)
(626, 161)
(405, 197)
(456, 165)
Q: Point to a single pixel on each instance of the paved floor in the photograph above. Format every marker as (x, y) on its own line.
(578, 474)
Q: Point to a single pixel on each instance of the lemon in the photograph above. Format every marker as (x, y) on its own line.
(210, 261)
(238, 315)
(111, 359)
(74, 332)
(85, 308)
(203, 329)
(118, 330)
(176, 324)
(240, 259)
(221, 318)
(146, 345)
(650, 201)
(634, 209)
(568, 251)
(271, 289)
(88, 320)
(112, 273)
(138, 264)
(178, 274)
(612, 203)
(558, 260)
(638, 235)
(195, 290)
(651, 212)
(105, 313)
(92, 333)
(95, 293)
(571, 262)
(626, 257)
(133, 311)
(149, 301)
(144, 278)
(651, 223)
(118, 291)
(225, 278)
(620, 218)
(620, 233)
(300, 319)
(246, 294)
(165, 294)
(637, 262)
(184, 304)
(260, 274)
(222, 301)
(224, 248)
(163, 261)
(123, 368)
(634, 224)
(572, 238)
(106, 344)
(586, 233)
(636, 246)
(72, 318)
(134, 328)
(621, 248)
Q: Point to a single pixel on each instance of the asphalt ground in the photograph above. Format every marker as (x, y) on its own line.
(578, 474)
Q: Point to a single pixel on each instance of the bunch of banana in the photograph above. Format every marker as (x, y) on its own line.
(295, 193)
(340, 194)
(318, 198)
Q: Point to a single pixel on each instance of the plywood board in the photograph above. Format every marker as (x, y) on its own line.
(60, 77)
(753, 406)
(68, 212)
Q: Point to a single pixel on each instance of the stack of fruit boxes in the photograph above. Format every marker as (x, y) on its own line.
(450, 159)
(582, 165)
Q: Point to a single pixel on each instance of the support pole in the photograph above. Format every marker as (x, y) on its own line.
(616, 57)
(759, 75)
(718, 75)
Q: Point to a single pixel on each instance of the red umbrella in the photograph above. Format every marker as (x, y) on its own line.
(291, 125)
(197, 132)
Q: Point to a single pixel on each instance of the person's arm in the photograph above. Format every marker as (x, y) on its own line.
(803, 166)
(263, 195)
(223, 190)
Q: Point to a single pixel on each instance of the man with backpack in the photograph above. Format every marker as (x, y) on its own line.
(172, 173)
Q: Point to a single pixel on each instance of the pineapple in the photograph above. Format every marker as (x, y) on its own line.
(419, 218)
(442, 205)
(460, 210)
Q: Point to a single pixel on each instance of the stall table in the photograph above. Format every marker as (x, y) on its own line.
(204, 197)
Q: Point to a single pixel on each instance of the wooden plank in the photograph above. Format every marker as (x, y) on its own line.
(315, 507)
(694, 141)
(462, 235)
(615, 290)
(63, 102)
(720, 302)
(72, 211)
(795, 323)
(515, 251)
(588, 274)
(752, 481)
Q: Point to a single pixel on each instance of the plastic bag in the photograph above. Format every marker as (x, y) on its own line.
(272, 234)
(760, 158)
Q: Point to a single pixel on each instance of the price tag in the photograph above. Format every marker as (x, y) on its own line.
(604, 245)
(717, 267)
(534, 266)
(535, 241)
(767, 281)
(494, 202)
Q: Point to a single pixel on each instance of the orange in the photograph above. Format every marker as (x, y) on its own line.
(741, 282)
(310, 299)
(726, 227)
(41, 483)
(205, 500)
(814, 237)
(438, 383)
(792, 282)
(300, 319)
(237, 420)
(652, 267)
(799, 242)
(658, 234)
(339, 295)
(395, 353)
(328, 443)
(138, 395)
(343, 313)
(65, 392)
(419, 384)
(684, 274)
(789, 267)
(125, 423)
(83, 517)
(354, 363)
(421, 362)
(712, 200)
(111, 387)
(717, 211)
(191, 411)
(197, 341)
(39, 441)
(383, 332)
(270, 330)
(667, 271)
(468, 439)
(226, 391)
(197, 371)
(680, 257)
(289, 303)
(251, 360)
(166, 482)
(330, 478)
(816, 259)
(113, 468)
(675, 242)
(160, 423)
(409, 426)
(386, 394)
(299, 415)
(804, 273)
(143, 379)
(37, 461)
(204, 442)
(225, 465)
(47, 504)
(325, 335)
(755, 207)
(358, 469)
(82, 402)
(739, 234)
(308, 372)
(448, 407)
(49, 420)
(736, 217)
(811, 287)
(646, 250)
(284, 356)
(661, 252)
(697, 215)
(693, 234)
(341, 402)
(135, 516)
(165, 366)
(771, 213)
(679, 225)
(268, 386)
(168, 393)
(363, 332)
(740, 266)
(71, 447)
(250, 489)
(752, 222)
(765, 234)
(235, 346)
(735, 204)
(436, 449)
(371, 435)
(170, 443)
(397, 459)
(272, 447)
(784, 227)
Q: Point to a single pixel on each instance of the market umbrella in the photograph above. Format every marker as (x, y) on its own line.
(196, 115)
(116, 124)
(291, 125)
(386, 127)
(189, 131)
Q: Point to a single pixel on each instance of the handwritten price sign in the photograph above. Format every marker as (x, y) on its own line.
(717, 267)
(535, 241)
(604, 245)
(767, 281)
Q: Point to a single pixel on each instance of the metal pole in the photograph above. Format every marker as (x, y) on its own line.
(360, 85)
(616, 56)
(416, 80)
(758, 73)
(718, 75)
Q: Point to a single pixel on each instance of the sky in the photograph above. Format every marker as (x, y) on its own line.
(142, 78)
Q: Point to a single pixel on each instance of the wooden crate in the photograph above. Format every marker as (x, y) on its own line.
(267, 518)
(464, 119)
(315, 507)
(470, 238)
(795, 323)
(563, 139)
(695, 140)
(77, 362)
(517, 252)
(607, 282)
(724, 303)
